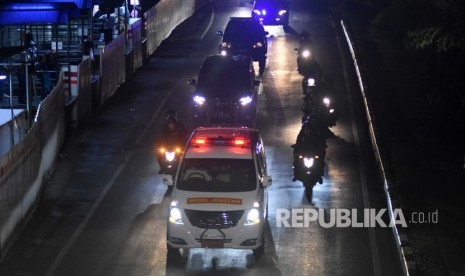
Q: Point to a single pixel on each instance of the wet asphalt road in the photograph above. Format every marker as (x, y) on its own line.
(104, 211)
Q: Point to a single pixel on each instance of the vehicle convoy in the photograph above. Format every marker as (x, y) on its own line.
(219, 198)
(245, 36)
(272, 12)
(223, 97)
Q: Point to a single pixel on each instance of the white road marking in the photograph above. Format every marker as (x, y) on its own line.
(51, 271)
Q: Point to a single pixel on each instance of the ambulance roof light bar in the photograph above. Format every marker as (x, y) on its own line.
(220, 140)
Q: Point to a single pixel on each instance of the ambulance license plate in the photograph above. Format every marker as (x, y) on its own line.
(217, 243)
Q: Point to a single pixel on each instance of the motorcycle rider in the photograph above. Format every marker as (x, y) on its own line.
(311, 138)
(306, 62)
(305, 41)
(173, 133)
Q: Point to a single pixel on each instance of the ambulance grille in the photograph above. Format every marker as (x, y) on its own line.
(214, 219)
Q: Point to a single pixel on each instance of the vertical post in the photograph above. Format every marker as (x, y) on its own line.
(28, 99)
(69, 59)
(12, 134)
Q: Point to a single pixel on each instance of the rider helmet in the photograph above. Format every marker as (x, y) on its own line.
(171, 113)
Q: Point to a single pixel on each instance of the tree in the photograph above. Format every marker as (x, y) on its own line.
(436, 24)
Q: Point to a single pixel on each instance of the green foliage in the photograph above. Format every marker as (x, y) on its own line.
(436, 24)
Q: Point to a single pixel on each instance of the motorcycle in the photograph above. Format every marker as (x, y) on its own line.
(317, 100)
(308, 169)
(168, 158)
(305, 59)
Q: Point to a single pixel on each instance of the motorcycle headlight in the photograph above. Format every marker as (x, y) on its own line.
(199, 100)
(326, 101)
(282, 12)
(245, 100)
(311, 82)
(257, 12)
(253, 217)
(225, 45)
(258, 45)
(169, 156)
(306, 53)
(175, 214)
(308, 162)
(331, 110)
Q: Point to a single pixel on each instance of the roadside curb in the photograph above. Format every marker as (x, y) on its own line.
(400, 236)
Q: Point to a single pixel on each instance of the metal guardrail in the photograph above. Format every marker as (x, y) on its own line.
(376, 146)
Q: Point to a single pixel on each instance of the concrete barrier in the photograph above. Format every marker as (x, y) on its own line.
(23, 169)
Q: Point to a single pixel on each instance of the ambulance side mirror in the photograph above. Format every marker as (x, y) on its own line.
(267, 180)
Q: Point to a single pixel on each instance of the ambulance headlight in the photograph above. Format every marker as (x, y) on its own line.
(253, 217)
(175, 216)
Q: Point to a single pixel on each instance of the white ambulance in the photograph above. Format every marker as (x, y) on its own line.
(219, 198)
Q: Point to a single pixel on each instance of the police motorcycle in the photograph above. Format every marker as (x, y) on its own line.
(170, 156)
(309, 154)
(170, 146)
(317, 98)
(305, 55)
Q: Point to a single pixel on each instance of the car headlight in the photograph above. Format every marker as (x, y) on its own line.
(264, 12)
(169, 156)
(245, 100)
(308, 162)
(199, 100)
(306, 53)
(253, 217)
(257, 12)
(258, 45)
(326, 101)
(311, 82)
(281, 12)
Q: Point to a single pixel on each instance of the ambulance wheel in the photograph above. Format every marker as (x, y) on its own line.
(173, 256)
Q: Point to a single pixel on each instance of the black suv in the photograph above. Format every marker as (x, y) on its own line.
(272, 12)
(225, 92)
(245, 36)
